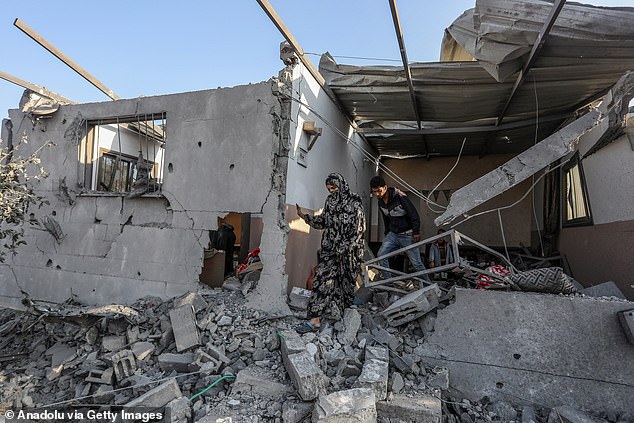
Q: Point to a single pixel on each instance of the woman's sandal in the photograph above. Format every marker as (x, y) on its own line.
(307, 327)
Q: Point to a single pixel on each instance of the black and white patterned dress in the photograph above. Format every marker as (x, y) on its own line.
(341, 252)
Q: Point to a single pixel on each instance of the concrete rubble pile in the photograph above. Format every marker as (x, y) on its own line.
(206, 357)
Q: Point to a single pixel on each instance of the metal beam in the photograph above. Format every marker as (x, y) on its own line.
(36, 88)
(462, 129)
(537, 46)
(61, 56)
(408, 73)
(277, 21)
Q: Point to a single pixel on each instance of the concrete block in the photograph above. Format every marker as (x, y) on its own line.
(159, 396)
(217, 354)
(377, 353)
(124, 364)
(142, 350)
(307, 377)
(383, 337)
(353, 405)
(296, 412)
(113, 343)
(192, 298)
(179, 409)
(412, 306)
(298, 298)
(180, 362)
(374, 376)
(351, 325)
(184, 326)
(569, 350)
(259, 382)
(103, 377)
(420, 408)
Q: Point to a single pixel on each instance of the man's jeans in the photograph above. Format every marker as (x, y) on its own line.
(393, 242)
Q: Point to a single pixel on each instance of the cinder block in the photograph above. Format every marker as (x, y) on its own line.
(374, 375)
(159, 396)
(179, 362)
(413, 306)
(184, 326)
(124, 364)
(353, 405)
(420, 408)
(307, 377)
(298, 298)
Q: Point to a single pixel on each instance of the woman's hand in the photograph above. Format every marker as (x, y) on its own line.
(300, 213)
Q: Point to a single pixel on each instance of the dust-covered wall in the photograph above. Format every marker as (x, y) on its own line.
(337, 149)
(424, 175)
(221, 156)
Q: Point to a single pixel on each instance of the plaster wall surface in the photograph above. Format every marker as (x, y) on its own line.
(602, 252)
(219, 158)
(332, 152)
(425, 174)
(528, 348)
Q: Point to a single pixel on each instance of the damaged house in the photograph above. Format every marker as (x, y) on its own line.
(520, 137)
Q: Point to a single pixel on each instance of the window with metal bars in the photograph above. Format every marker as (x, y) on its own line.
(124, 154)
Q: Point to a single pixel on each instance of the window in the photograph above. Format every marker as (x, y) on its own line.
(575, 206)
(124, 154)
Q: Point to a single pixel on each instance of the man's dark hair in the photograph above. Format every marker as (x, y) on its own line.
(377, 181)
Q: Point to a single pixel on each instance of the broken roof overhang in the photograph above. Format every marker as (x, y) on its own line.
(587, 51)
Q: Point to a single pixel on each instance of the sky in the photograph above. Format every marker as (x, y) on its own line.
(144, 48)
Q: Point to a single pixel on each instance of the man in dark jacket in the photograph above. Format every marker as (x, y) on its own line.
(402, 224)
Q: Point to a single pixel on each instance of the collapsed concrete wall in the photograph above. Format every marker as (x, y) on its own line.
(527, 348)
(220, 156)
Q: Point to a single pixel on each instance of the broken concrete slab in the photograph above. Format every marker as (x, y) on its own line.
(298, 298)
(567, 414)
(142, 350)
(179, 362)
(375, 372)
(556, 345)
(192, 298)
(351, 324)
(605, 289)
(413, 306)
(183, 321)
(307, 377)
(159, 396)
(419, 408)
(113, 343)
(259, 381)
(353, 405)
(100, 376)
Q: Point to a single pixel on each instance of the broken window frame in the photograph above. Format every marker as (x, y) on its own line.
(579, 181)
(151, 134)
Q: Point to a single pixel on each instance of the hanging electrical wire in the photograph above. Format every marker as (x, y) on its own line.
(446, 176)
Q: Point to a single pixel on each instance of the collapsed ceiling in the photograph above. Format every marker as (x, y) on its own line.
(487, 99)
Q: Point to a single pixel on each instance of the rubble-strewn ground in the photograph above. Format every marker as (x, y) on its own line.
(116, 357)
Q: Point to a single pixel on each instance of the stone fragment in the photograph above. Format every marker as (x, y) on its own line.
(293, 412)
(307, 377)
(419, 408)
(113, 343)
(412, 306)
(142, 349)
(353, 405)
(503, 410)
(159, 396)
(178, 362)
(259, 382)
(385, 338)
(439, 378)
(375, 372)
(225, 321)
(397, 382)
(179, 409)
(529, 415)
(183, 322)
(191, 298)
(626, 318)
(351, 323)
(298, 298)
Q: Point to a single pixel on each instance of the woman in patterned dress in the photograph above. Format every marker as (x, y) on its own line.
(341, 252)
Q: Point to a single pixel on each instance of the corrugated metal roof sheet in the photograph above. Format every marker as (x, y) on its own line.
(587, 51)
